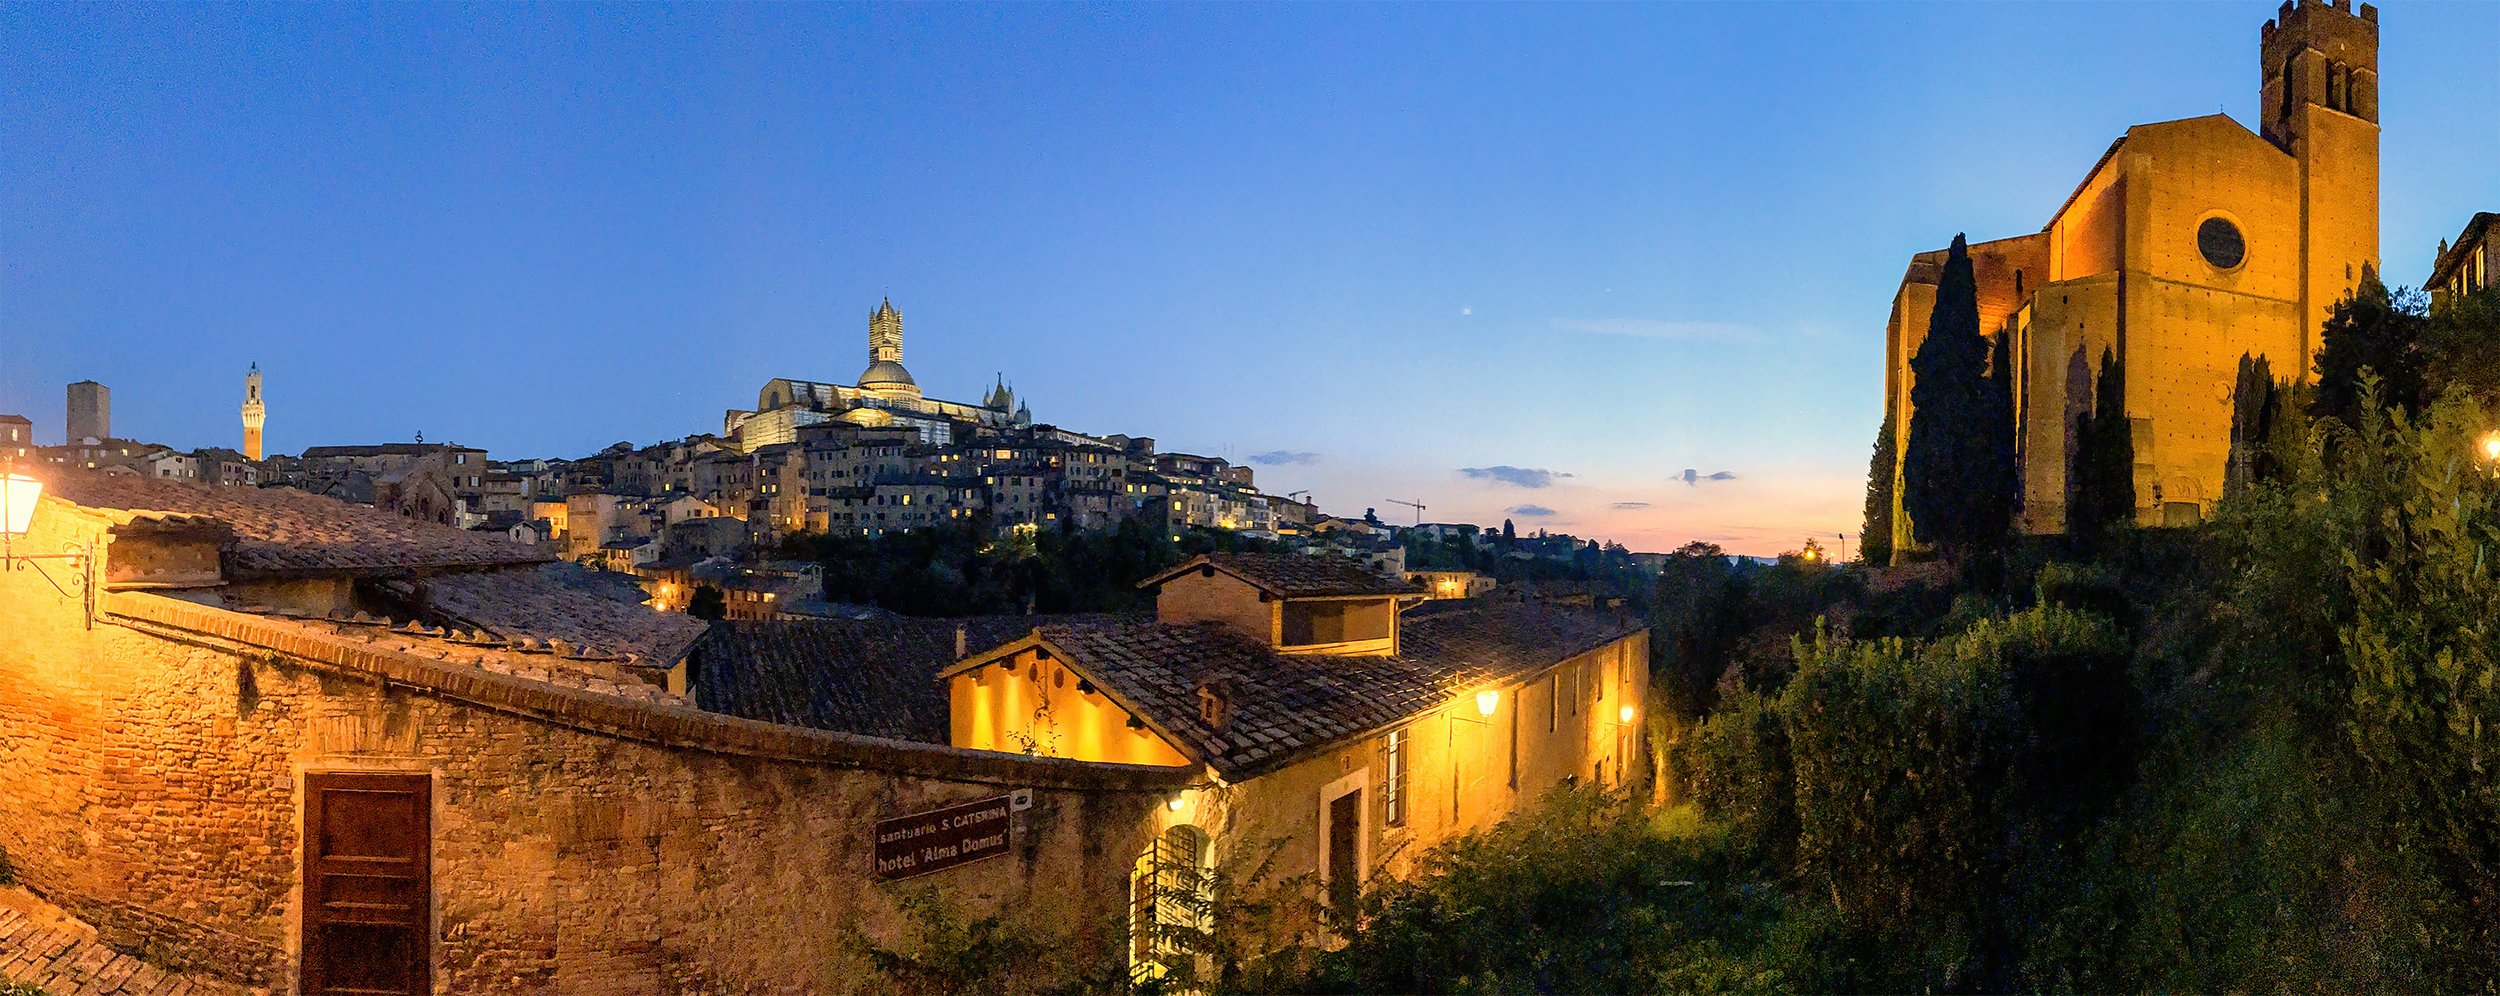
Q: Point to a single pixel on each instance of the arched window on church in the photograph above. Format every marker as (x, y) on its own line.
(2018, 286)
(1171, 906)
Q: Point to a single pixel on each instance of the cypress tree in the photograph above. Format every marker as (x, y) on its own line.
(2104, 492)
(2003, 499)
(1948, 474)
(2253, 403)
(1875, 542)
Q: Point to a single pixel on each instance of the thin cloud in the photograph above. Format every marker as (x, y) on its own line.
(1517, 477)
(1531, 511)
(1692, 477)
(1631, 505)
(1285, 457)
(1656, 328)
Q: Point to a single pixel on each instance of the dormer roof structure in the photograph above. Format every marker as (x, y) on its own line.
(1289, 576)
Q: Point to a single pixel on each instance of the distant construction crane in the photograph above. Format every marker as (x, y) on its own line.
(1417, 505)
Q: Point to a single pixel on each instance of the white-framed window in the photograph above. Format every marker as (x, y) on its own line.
(1393, 785)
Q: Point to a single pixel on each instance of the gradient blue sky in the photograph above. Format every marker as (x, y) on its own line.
(1381, 244)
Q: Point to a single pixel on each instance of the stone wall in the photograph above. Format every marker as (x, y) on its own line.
(1206, 595)
(151, 773)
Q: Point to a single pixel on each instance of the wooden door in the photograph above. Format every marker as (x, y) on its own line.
(1345, 830)
(368, 886)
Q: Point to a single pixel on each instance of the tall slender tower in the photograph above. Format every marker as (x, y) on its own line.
(885, 376)
(90, 411)
(2320, 103)
(885, 334)
(254, 413)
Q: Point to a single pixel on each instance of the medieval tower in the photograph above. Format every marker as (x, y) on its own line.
(885, 376)
(2320, 105)
(254, 413)
(90, 412)
(2190, 244)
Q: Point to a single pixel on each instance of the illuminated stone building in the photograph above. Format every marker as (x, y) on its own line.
(1325, 714)
(17, 439)
(885, 394)
(2190, 243)
(1452, 584)
(2467, 266)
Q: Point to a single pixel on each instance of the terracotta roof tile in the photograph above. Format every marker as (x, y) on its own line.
(282, 531)
(1292, 575)
(878, 678)
(600, 610)
(1286, 706)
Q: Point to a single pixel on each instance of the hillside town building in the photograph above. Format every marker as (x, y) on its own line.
(2188, 245)
(2466, 267)
(17, 438)
(1326, 713)
(278, 740)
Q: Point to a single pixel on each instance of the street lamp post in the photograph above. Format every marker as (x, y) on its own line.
(18, 497)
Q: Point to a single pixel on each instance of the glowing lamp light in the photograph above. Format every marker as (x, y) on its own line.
(2491, 446)
(1174, 804)
(17, 503)
(1487, 701)
(1624, 714)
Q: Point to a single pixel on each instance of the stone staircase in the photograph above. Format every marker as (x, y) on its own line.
(42, 946)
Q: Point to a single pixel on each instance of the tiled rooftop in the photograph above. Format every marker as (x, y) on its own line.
(1287, 705)
(1288, 575)
(555, 662)
(600, 610)
(877, 678)
(282, 531)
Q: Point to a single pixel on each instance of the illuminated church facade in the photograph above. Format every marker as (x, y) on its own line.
(2189, 244)
(885, 395)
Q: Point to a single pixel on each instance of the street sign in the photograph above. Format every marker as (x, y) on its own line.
(942, 838)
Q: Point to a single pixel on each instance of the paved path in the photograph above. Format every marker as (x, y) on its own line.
(62, 956)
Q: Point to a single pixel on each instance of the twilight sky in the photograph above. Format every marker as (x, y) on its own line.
(1524, 261)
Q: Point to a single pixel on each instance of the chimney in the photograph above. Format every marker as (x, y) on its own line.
(1215, 704)
(960, 650)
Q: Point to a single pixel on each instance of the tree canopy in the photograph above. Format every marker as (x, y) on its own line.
(1956, 473)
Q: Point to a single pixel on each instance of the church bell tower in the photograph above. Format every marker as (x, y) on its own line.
(254, 413)
(885, 376)
(2319, 59)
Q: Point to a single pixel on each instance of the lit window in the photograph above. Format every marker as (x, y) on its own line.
(1393, 793)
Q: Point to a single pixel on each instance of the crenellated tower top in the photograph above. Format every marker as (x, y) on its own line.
(2317, 53)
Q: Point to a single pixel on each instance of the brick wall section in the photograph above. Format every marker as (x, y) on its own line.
(153, 768)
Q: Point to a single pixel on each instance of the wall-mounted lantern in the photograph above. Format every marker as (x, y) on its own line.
(18, 496)
(1487, 701)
